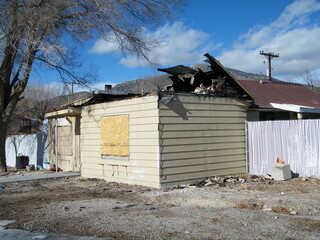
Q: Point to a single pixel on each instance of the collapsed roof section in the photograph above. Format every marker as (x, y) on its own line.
(218, 81)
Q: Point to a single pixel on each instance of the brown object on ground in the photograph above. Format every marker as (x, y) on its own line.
(234, 207)
(54, 169)
(279, 161)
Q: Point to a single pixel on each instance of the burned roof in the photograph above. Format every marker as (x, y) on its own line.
(107, 96)
(178, 70)
(218, 81)
(65, 100)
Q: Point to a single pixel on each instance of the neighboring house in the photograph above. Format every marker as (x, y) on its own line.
(29, 136)
(281, 101)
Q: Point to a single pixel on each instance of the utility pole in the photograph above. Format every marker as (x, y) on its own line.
(269, 56)
(72, 87)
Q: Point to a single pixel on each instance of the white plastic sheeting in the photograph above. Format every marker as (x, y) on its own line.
(296, 142)
(32, 145)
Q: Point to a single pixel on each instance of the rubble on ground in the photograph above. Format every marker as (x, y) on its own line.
(228, 180)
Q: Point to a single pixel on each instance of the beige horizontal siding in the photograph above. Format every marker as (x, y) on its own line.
(135, 111)
(204, 127)
(143, 121)
(201, 161)
(122, 173)
(142, 165)
(201, 140)
(203, 120)
(91, 114)
(120, 103)
(171, 134)
(202, 168)
(200, 113)
(189, 107)
(201, 137)
(144, 135)
(134, 163)
(204, 153)
(197, 176)
(202, 147)
(123, 169)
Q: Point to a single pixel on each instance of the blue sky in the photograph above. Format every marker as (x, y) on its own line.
(233, 31)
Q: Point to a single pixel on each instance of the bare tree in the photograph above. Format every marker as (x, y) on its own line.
(37, 98)
(45, 31)
(311, 80)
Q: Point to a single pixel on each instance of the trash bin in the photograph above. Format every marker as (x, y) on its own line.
(46, 165)
(22, 162)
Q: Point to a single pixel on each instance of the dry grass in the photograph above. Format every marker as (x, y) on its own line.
(250, 206)
(215, 220)
(282, 210)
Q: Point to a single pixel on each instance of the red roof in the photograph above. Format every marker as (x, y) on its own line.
(280, 92)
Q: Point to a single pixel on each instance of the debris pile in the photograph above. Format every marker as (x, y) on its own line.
(227, 180)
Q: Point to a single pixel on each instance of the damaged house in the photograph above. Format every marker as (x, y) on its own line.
(192, 130)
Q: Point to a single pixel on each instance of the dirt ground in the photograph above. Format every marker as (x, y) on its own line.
(252, 208)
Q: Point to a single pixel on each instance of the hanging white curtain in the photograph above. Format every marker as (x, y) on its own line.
(296, 142)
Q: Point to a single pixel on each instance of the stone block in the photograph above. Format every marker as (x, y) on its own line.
(281, 172)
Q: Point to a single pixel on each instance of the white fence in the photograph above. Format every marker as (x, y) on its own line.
(32, 145)
(296, 142)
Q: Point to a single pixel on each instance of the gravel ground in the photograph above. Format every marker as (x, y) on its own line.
(255, 209)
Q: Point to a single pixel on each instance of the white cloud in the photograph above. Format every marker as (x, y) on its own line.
(295, 15)
(178, 44)
(293, 35)
(102, 46)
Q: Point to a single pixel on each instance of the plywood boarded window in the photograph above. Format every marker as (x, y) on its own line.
(114, 136)
(65, 147)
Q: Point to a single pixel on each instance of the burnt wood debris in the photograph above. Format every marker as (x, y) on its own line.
(217, 81)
